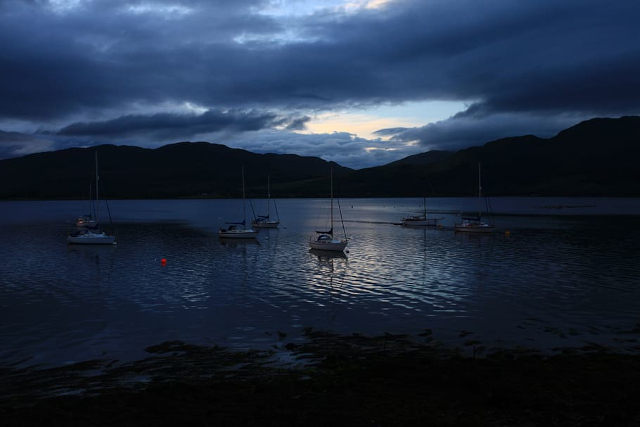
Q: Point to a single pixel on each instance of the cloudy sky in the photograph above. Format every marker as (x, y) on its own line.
(360, 82)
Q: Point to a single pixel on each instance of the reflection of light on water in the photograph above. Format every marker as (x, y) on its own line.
(328, 282)
(410, 269)
(577, 278)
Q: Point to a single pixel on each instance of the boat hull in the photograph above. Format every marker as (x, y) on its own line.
(486, 228)
(328, 245)
(92, 239)
(238, 234)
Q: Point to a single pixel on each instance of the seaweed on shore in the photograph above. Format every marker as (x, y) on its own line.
(350, 380)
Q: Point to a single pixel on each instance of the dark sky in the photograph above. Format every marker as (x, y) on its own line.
(359, 82)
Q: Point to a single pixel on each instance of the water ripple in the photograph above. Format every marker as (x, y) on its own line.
(549, 283)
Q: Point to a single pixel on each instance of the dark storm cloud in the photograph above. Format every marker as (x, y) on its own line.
(389, 131)
(542, 55)
(299, 123)
(468, 129)
(104, 55)
(525, 66)
(172, 125)
(15, 144)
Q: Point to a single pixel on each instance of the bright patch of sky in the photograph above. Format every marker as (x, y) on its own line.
(167, 11)
(291, 8)
(62, 6)
(366, 122)
(290, 35)
(365, 4)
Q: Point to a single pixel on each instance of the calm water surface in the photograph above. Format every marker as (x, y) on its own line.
(567, 275)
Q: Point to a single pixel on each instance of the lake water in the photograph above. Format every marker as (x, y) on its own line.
(567, 275)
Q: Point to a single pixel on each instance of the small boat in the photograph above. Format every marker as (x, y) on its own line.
(475, 224)
(265, 221)
(237, 230)
(325, 240)
(90, 237)
(233, 231)
(421, 220)
(88, 230)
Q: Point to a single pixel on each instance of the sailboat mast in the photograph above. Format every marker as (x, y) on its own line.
(97, 189)
(244, 205)
(331, 180)
(479, 187)
(92, 205)
(268, 194)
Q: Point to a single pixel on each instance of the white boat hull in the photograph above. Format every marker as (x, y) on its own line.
(238, 234)
(92, 239)
(333, 245)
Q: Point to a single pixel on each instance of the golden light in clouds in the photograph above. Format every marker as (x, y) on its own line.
(366, 4)
(362, 125)
(364, 122)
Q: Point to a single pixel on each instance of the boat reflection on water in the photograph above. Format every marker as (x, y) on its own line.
(98, 263)
(96, 253)
(567, 272)
(475, 238)
(327, 256)
(239, 242)
(328, 282)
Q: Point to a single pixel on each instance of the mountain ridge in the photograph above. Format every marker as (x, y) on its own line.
(596, 157)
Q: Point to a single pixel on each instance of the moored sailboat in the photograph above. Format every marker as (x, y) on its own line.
(237, 230)
(421, 220)
(265, 221)
(475, 224)
(88, 230)
(325, 240)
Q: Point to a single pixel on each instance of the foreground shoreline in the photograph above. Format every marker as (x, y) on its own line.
(332, 380)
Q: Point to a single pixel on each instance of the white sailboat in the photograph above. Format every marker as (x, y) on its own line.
(475, 224)
(88, 230)
(237, 230)
(265, 221)
(325, 240)
(421, 220)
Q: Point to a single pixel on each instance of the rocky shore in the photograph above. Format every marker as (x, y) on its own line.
(331, 380)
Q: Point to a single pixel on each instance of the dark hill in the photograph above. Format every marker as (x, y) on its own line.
(597, 157)
(422, 159)
(178, 170)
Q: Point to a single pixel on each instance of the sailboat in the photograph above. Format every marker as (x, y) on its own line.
(421, 220)
(474, 224)
(233, 230)
(87, 220)
(324, 240)
(88, 230)
(265, 221)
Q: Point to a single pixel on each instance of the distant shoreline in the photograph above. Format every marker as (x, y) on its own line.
(559, 206)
